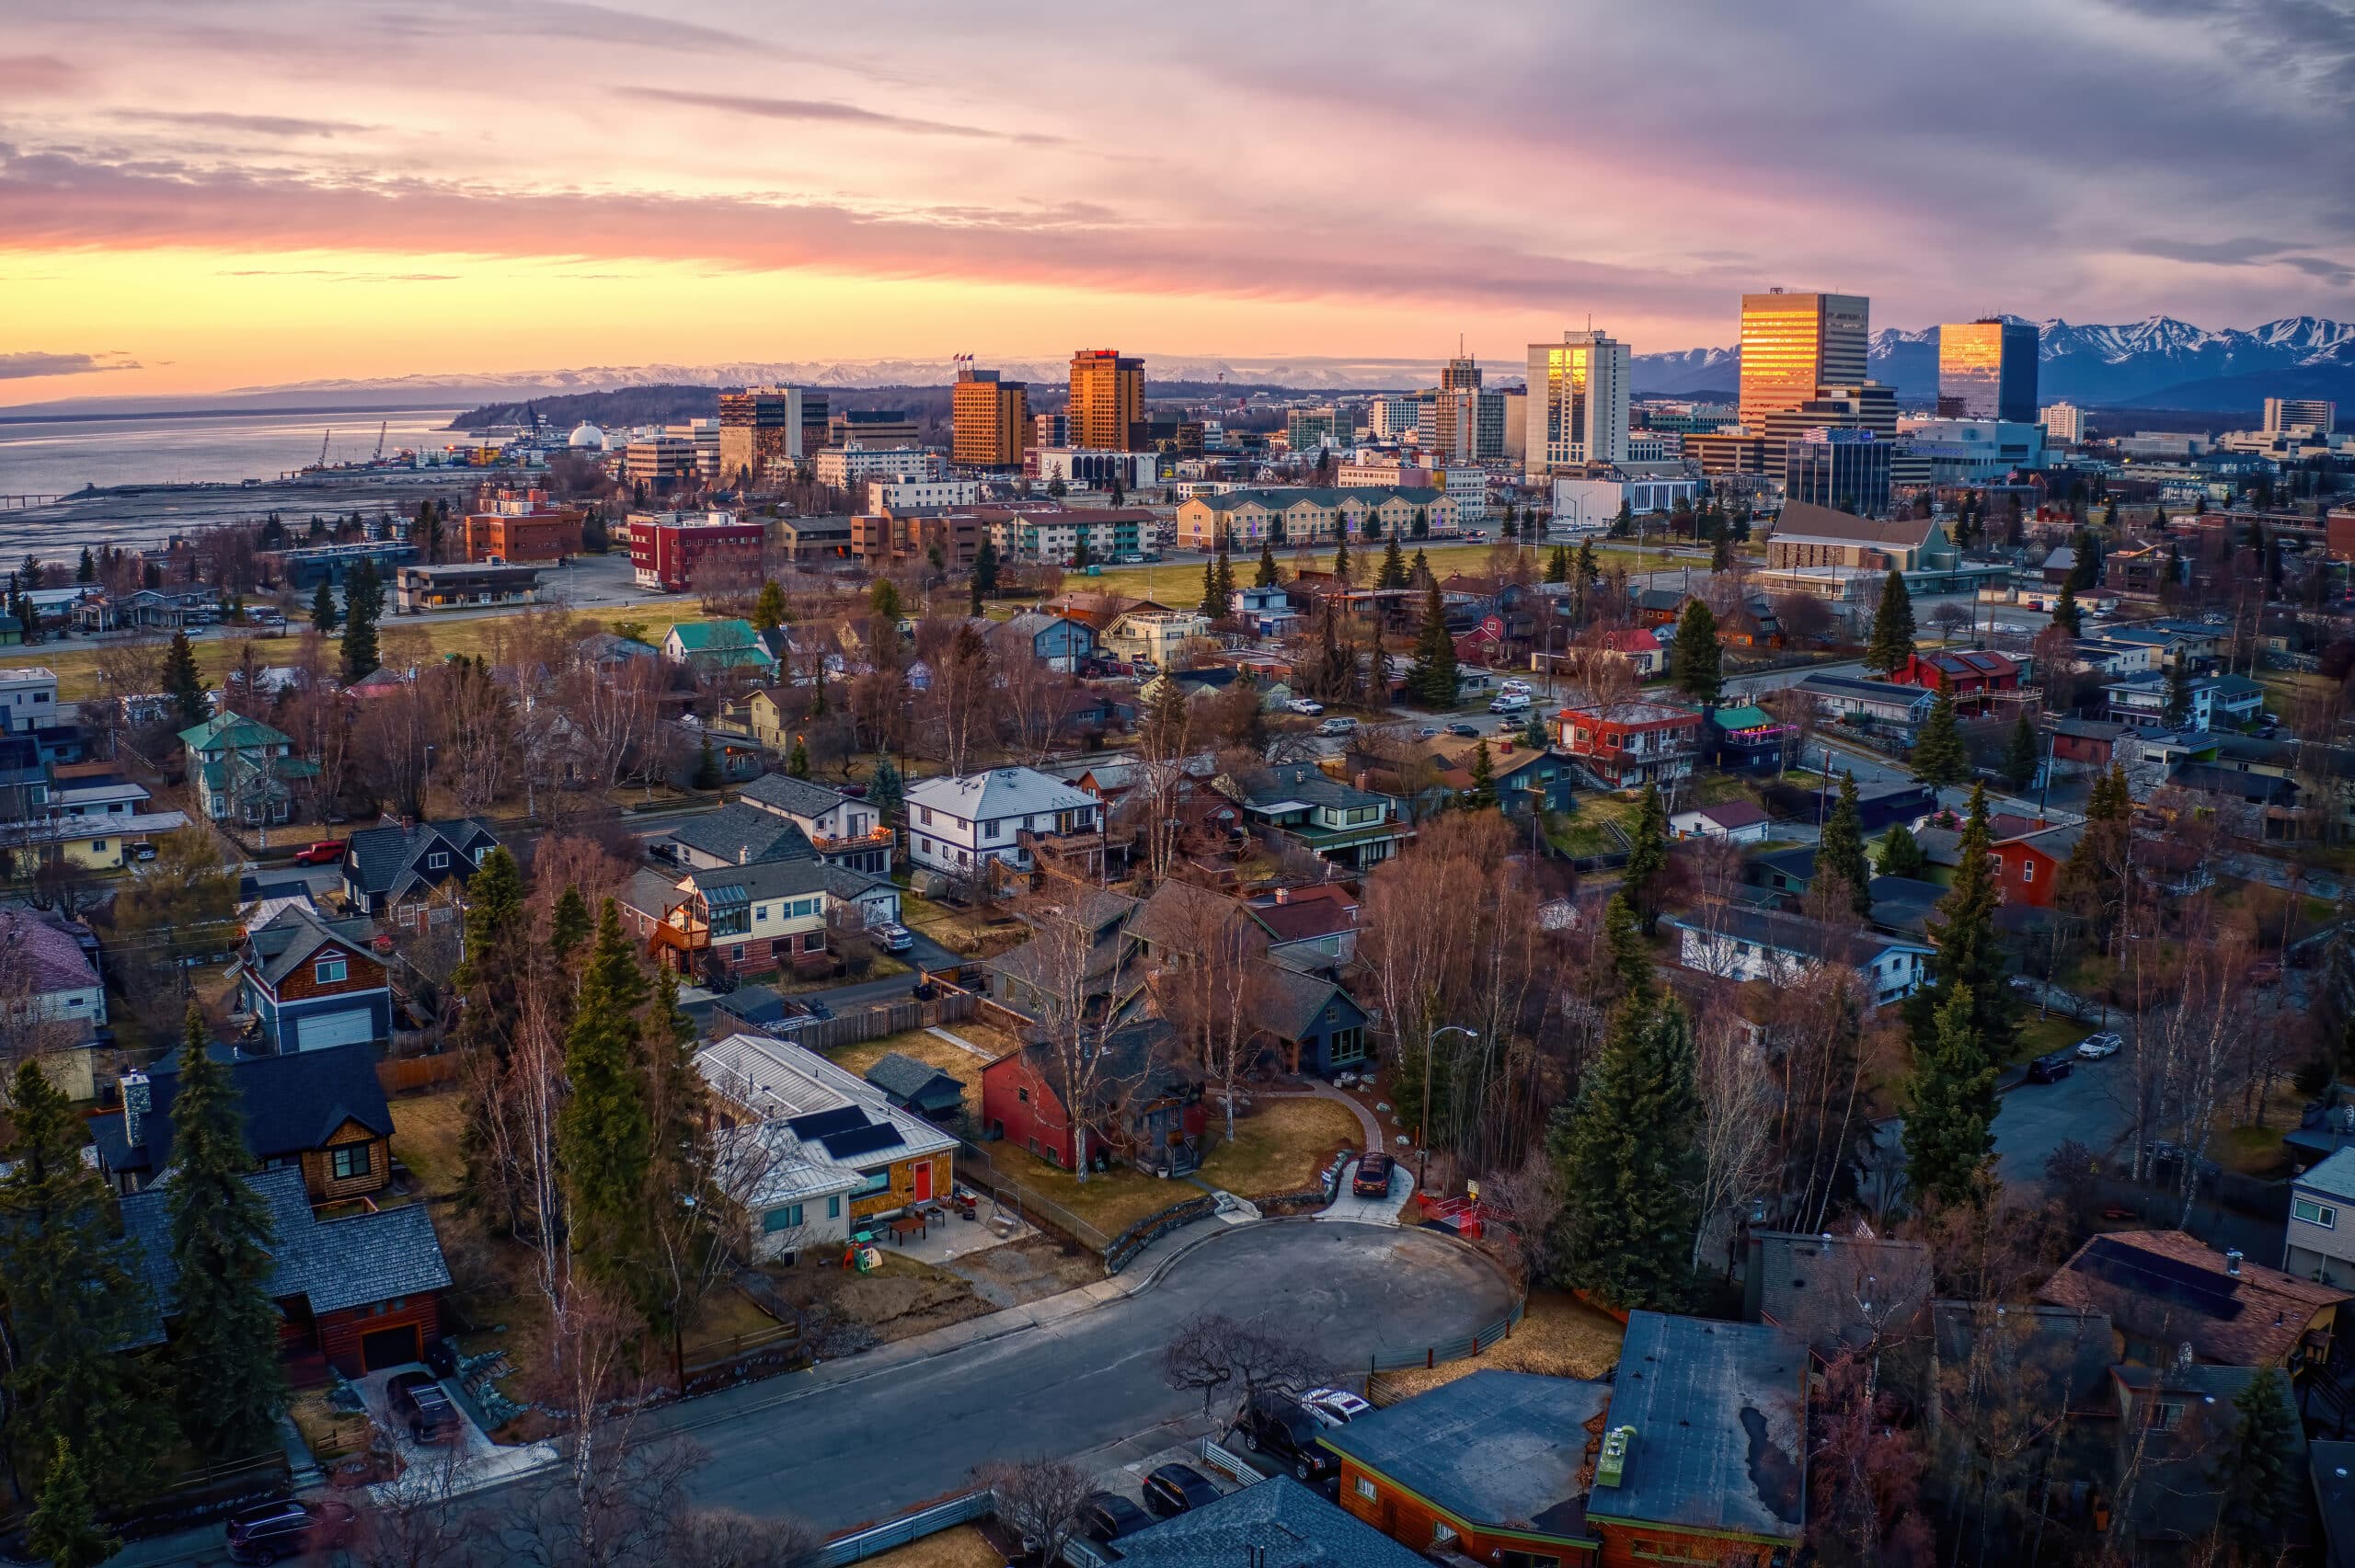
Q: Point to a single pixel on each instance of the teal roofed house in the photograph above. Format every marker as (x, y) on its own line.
(244, 770)
(1749, 736)
(721, 645)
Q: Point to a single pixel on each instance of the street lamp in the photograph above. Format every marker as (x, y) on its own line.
(1422, 1133)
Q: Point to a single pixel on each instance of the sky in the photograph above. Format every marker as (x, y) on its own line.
(236, 193)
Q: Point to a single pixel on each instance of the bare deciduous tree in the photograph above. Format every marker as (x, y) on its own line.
(1040, 1499)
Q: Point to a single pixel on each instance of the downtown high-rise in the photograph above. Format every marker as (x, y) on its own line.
(1107, 410)
(1577, 412)
(989, 420)
(1792, 344)
(1987, 370)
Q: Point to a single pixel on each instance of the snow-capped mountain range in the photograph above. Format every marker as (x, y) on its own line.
(2158, 363)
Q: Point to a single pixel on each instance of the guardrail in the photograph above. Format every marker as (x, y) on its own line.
(892, 1534)
(1219, 1457)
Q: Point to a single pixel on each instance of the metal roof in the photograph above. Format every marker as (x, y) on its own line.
(1720, 1417)
(1498, 1449)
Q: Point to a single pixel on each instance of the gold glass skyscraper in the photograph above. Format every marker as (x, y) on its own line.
(989, 420)
(1791, 344)
(1106, 400)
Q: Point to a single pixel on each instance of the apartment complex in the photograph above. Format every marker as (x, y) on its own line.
(758, 427)
(2283, 415)
(668, 550)
(1244, 520)
(2064, 423)
(1987, 370)
(529, 527)
(1577, 410)
(1792, 344)
(989, 420)
(1106, 409)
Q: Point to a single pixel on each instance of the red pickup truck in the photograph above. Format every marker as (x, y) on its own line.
(327, 852)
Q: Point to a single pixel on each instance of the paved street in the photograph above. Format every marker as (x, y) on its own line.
(2094, 1106)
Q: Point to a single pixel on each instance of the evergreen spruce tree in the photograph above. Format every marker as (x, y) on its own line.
(1901, 854)
(985, 567)
(323, 615)
(2066, 613)
(1269, 577)
(2261, 1470)
(2178, 701)
(1646, 858)
(1625, 1151)
(1697, 659)
(1341, 561)
(1418, 571)
(1558, 564)
(1840, 849)
(1583, 570)
(797, 765)
(1891, 644)
(1949, 1122)
(883, 600)
(605, 1132)
(1970, 956)
(1225, 586)
(183, 684)
(1532, 734)
(1939, 758)
(361, 607)
(1394, 567)
(491, 980)
(1371, 530)
(768, 610)
(1623, 522)
(1720, 553)
(1422, 524)
(89, 571)
(63, 1529)
(225, 1339)
(1631, 959)
(2022, 754)
(1483, 794)
(973, 597)
(1431, 680)
(1210, 608)
(884, 790)
(74, 1296)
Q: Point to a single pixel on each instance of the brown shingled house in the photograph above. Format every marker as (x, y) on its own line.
(2166, 1289)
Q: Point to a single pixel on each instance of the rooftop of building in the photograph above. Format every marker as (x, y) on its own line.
(1507, 1450)
(1719, 1413)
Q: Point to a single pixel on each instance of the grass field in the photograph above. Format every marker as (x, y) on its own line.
(1558, 1336)
(1180, 584)
(427, 1130)
(931, 1049)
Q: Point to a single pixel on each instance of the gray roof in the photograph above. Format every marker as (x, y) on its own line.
(1289, 1001)
(291, 1103)
(742, 835)
(387, 860)
(1795, 935)
(1906, 904)
(786, 795)
(1001, 791)
(1498, 1449)
(1277, 1524)
(295, 933)
(779, 879)
(333, 1264)
(2055, 1357)
(1301, 783)
(1840, 1292)
(1857, 689)
(2334, 1177)
(1720, 1417)
(912, 1082)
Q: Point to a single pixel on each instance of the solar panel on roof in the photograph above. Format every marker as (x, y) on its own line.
(2169, 1278)
(820, 1125)
(861, 1140)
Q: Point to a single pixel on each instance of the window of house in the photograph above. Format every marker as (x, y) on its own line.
(1347, 1045)
(785, 1218)
(2167, 1414)
(2027, 871)
(348, 1160)
(1442, 1532)
(2312, 1213)
(876, 1181)
(436, 860)
(923, 815)
(781, 948)
(737, 952)
(1023, 1096)
(1366, 1489)
(833, 1209)
(98, 845)
(329, 971)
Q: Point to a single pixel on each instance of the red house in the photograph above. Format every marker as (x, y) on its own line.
(2031, 863)
(2090, 742)
(1627, 745)
(1140, 1108)
(1971, 674)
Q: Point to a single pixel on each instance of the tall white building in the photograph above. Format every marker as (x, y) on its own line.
(2064, 424)
(1393, 415)
(2284, 414)
(1578, 402)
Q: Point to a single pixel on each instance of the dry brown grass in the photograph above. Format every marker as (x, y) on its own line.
(931, 1049)
(1281, 1146)
(427, 1133)
(963, 1546)
(1558, 1336)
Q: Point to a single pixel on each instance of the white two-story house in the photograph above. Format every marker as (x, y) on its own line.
(1738, 944)
(957, 826)
(2320, 1243)
(762, 919)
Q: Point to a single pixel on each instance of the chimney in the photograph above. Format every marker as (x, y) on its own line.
(744, 855)
(2183, 1356)
(2232, 1263)
(1283, 895)
(136, 1103)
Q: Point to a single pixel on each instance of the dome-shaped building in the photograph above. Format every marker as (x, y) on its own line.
(585, 437)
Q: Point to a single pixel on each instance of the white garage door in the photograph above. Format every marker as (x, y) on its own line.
(352, 1026)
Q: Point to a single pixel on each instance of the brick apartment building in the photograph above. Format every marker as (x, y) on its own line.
(522, 528)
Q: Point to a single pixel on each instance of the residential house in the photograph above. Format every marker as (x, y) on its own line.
(2088, 744)
(2041, 1372)
(1877, 702)
(2216, 701)
(1736, 821)
(1154, 636)
(1838, 1293)
(1311, 927)
(1738, 943)
(2166, 1289)
(408, 872)
(1057, 641)
(1123, 1094)
(323, 1113)
(737, 834)
(709, 646)
(918, 1088)
(1264, 611)
(1523, 777)
(1300, 802)
(1705, 1448)
(1276, 1524)
(1748, 737)
(1497, 1467)
(2029, 864)
(1013, 817)
(826, 1154)
(1973, 675)
(361, 1292)
(2108, 655)
(2319, 1238)
(243, 771)
(1309, 1019)
(1641, 648)
(843, 829)
(2175, 1423)
(751, 919)
(1080, 956)
(309, 984)
(159, 609)
(1786, 870)
(53, 1000)
(27, 698)
(1627, 745)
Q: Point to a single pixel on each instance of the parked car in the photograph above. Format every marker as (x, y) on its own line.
(1427, 732)
(1334, 1407)
(2093, 1048)
(142, 852)
(1172, 1489)
(1340, 726)
(1373, 1179)
(1107, 1516)
(1516, 684)
(420, 1403)
(2051, 1067)
(1509, 702)
(1275, 1425)
(327, 852)
(1469, 731)
(1305, 705)
(272, 1530)
(895, 937)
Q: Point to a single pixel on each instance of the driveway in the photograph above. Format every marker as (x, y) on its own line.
(868, 1447)
(1349, 1207)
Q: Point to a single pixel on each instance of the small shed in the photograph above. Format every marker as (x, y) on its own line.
(918, 1087)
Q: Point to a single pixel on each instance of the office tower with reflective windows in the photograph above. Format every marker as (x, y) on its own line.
(1791, 344)
(1577, 410)
(1847, 470)
(1987, 370)
(989, 420)
(1106, 405)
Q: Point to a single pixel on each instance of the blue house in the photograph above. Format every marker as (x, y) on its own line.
(1063, 643)
(1267, 611)
(309, 984)
(1314, 1025)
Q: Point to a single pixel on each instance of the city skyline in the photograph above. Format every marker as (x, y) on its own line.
(249, 197)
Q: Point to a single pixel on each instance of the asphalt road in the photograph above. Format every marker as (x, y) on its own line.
(866, 1448)
(2094, 1106)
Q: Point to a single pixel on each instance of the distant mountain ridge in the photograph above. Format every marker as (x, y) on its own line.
(2159, 362)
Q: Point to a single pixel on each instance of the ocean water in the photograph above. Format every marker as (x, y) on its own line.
(59, 456)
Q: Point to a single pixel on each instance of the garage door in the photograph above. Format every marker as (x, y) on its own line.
(390, 1347)
(352, 1026)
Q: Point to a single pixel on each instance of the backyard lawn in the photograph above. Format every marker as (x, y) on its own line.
(426, 1133)
(955, 1060)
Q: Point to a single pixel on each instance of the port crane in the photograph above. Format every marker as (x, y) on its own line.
(382, 427)
(323, 445)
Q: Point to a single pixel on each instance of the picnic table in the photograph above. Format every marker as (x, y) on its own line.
(908, 1225)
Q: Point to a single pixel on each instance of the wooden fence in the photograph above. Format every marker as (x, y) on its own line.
(401, 1074)
(874, 1023)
